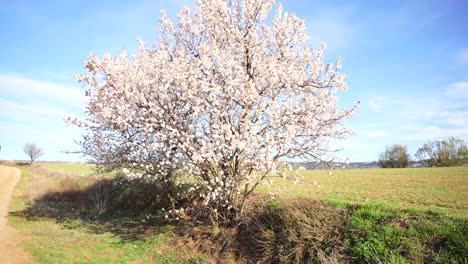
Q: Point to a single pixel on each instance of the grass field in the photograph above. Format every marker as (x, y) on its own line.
(394, 216)
(71, 168)
(60, 239)
(444, 189)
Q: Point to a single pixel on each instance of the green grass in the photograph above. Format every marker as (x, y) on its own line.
(368, 233)
(394, 216)
(444, 189)
(76, 241)
(377, 233)
(71, 168)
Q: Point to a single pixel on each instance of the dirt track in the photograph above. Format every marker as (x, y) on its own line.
(9, 238)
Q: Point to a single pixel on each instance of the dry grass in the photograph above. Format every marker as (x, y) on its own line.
(39, 187)
(295, 230)
(44, 187)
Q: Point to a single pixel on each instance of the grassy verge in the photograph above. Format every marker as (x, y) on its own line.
(54, 236)
(90, 220)
(377, 233)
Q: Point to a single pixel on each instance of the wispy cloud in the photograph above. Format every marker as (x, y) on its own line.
(346, 29)
(334, 25)
(458, 89)
(375, 133)
(53, 138)
(33, 111)
(29, 100)
(36, 113)
(409, 120)
(431, 132)
(422, 118)
(22, 89)
(375, 104)
(456, 118)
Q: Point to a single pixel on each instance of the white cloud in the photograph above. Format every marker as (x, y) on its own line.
(358, 148)
(24, 89)
(458, 90)
(355, 144)
(440, 111)
(28, 100)
(431, 132)
(455, 118)
(53, 138)
(421, 118)
(31, 112)
(376, 133)
(343, 27)
(336, 34)
(375, 104)
(410, 121)
(334, 25)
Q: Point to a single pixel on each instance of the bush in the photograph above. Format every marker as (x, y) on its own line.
(444, 153)
(395, 156)
(301, 230)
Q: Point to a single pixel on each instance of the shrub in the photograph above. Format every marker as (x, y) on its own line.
(444, 153)
(395, 156)
(301, 231)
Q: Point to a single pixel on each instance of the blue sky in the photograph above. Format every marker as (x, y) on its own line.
(407, 63)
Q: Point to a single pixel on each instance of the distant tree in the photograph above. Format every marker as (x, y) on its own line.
(33, 151)
(395, 156)
(443, 153)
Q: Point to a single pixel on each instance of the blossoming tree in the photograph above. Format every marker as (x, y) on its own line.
(225, 95)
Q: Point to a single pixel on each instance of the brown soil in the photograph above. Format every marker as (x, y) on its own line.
(10, 252)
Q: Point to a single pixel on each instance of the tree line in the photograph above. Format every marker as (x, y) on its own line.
(448, 152)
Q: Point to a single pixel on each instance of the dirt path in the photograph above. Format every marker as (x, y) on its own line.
(9, 238)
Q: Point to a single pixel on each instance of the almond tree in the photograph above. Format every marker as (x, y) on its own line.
(225, 95)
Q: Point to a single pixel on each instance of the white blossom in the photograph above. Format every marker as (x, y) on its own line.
(225, 96)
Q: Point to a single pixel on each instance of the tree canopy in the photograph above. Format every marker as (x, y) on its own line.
(395, 156)
(33, 151)
(225, 95)
(448, 152)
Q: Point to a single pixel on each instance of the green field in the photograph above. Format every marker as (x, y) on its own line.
(393, 216)
(71, 168)
(58, 238)
(444, 189)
